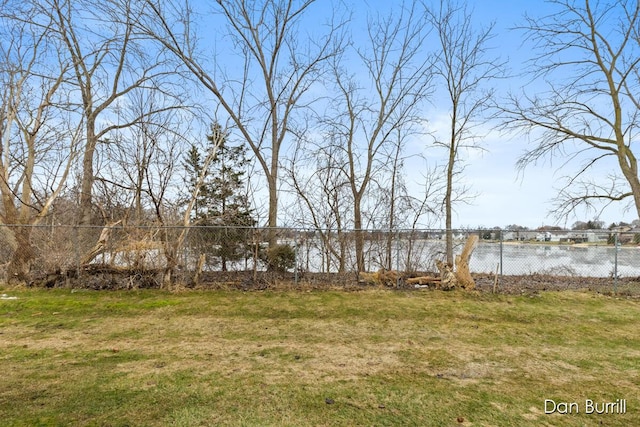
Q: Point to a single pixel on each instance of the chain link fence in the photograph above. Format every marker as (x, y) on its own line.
(194, 255)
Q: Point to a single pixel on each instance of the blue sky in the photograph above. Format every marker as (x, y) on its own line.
(505, 195)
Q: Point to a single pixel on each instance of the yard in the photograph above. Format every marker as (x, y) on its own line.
(316, 358)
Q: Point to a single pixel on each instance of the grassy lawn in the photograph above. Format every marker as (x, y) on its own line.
(154, 358)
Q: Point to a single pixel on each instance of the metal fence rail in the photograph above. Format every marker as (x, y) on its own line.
(50, 248)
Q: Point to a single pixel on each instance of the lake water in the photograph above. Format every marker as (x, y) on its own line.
(517, 258)
(573, 260)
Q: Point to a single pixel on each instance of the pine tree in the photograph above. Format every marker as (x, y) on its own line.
(193, 166)
(222, 203)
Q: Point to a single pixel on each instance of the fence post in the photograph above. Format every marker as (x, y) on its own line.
(615, 263)
(501, 248)
(397, 258)
(295, 256)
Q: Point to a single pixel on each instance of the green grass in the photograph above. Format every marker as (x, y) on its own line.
(154, 358)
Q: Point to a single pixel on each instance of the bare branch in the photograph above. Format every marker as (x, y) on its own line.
(276, 54)
(384, 108)
(588, 56)
(466, 69)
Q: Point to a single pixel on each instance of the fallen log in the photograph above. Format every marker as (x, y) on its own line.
(381, 277)
(423, 280)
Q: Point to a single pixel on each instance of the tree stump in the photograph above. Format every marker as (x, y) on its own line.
(448, 279)
(462, 264)
(461, 277)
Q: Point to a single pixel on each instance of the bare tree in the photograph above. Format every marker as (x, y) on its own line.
(109, 61)
(141, 162)
(371, 107)
(426, 208)
(132, 151)
(38, 130)
(465, 67)
(322, 201)
(278, 62)
(403, 208)
(587, 64)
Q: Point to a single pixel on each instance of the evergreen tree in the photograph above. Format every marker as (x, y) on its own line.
(222, 203)
(228, 204)
(193, 166)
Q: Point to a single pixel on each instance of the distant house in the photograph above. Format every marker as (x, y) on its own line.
(456, 235)
(544, 236)
(520, 235)
(629, 235)
(553, 234)
(573, 236)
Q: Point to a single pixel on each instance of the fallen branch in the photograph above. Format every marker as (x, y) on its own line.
(101, 245)
(380, 277)
(423, 280)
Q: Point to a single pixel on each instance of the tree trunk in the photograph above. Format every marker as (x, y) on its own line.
(170, 265)
(199, 266)
(392, 213)
(343, 251)
(635, 187)
(101, 245)
(171, 246)
(20, 265)
(448, 195)
(330, 252)
(86, 186)
(628, 165)
(461, 277)
(272, 237)
(359, 235)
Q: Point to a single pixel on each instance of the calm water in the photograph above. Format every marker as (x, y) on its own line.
(595, 261)
(517, 258)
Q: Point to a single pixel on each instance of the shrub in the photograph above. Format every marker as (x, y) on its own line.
(280, 258)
